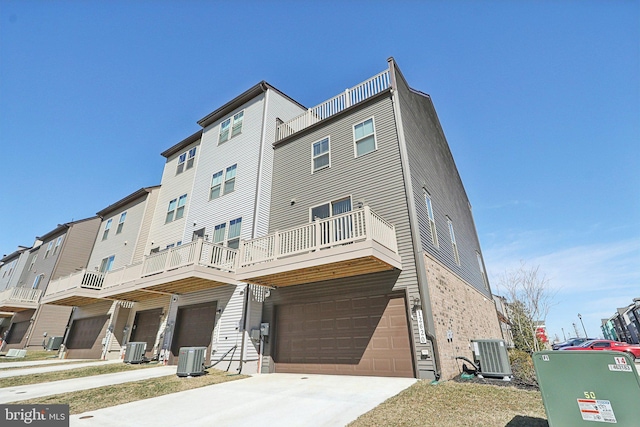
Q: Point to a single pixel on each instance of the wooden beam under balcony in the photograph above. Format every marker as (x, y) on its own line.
(332, 263)
(179, 281)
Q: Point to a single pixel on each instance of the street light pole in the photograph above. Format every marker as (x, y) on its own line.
(583, 328)
(563, 334)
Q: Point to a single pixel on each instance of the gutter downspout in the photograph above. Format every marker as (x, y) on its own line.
(413, 222)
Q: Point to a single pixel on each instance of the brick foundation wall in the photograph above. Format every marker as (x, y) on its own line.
(459, 308)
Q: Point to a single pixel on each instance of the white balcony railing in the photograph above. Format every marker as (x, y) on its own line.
(81, 279)
(349, 97)
(358, 225)
(14, 295)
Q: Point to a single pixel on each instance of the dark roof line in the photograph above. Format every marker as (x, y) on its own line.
(125, 200)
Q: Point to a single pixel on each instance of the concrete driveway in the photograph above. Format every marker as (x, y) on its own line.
(271, 399)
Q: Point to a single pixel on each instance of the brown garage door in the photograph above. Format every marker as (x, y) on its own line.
(194, 326)
(17, 331)
(351, 336)
(85, 337)
(145, 328)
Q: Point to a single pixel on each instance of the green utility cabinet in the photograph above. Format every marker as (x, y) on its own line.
(586, 388)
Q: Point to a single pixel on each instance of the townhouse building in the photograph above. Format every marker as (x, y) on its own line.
(336, 239)
(11, 267)
(373, 257)
(63, 250)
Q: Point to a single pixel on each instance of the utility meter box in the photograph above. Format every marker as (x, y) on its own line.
(264, 329)
(584, 388)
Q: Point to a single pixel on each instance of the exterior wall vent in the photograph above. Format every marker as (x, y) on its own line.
(492, 357)
(191, 361)
(135, 352)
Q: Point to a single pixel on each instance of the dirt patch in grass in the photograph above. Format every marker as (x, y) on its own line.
(69, 374)
(453, 404)
(97, 398)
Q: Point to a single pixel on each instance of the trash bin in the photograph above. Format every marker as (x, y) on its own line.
(582, 387)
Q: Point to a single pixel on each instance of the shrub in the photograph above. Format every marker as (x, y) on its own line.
(522, 367)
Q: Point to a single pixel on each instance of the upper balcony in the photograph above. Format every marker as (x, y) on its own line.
(19, 299)
(345, 245)
(333, 106)
(77, 289)
(187, 268)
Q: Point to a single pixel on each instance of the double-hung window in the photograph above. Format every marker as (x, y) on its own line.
(33, 262)
(107, 264)
(182, 201)
(49, 246)
(37, 281)
(176, 209)
(231, 127)
(237, 124)
(181, 161)
(228, 177)
(432, 219)
(123, 216)
(454, 245)
(320, 156)
(482, 272)
(233, 239)
(191, 158)
(219, 232)
(107, 227)
(364, 137)
(56, 248)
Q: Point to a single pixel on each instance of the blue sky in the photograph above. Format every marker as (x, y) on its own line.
(539, 100)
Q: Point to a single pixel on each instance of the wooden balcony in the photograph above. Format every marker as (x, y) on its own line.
(350, 244)
(335, 105)
(187, 268)
(77, 289)
(19, 299)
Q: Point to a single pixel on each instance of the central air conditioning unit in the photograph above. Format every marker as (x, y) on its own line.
(54, 343)
(135, 352)
(191, 361)
(492, 358)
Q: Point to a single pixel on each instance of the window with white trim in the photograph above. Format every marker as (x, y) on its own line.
(320, 155)
(187, 158)
(49, 246)
(123, 217)
(454, 245)
(332, 208)
(33, 262)
(228, 234)
(364, 137)
(37, 281)
(485, 282)
(56, 248)
(107, 263)
(432, 219)
(226, 177)
(231, 127)
(175, 210)
(107, 227)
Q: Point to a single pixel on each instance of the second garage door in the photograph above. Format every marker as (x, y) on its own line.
(194, 327)
(85, 337)
(366, 335)
(145, 328)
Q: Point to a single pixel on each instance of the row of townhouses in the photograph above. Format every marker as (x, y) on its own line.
(624, 325)
(336, 239)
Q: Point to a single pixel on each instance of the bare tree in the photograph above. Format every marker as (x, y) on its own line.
(529, 301)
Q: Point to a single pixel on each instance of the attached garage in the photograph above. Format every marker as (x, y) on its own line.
(85, 337)
(360, 335)
(145, 328)
(17, 331)
(194, 327)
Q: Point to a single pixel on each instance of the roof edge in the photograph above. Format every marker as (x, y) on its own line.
(126, 200)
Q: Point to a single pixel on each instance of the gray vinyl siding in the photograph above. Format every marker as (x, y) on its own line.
(375, 178)
(52, 319)
(121, 245)
(433, 168)
(142, 241)
(242, 150)
(27, 275)
(12, 278)
(76, 247)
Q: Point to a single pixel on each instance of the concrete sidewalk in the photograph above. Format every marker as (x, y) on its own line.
(18, 363)
(273, 399)
(45, 368)
(14, 394)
